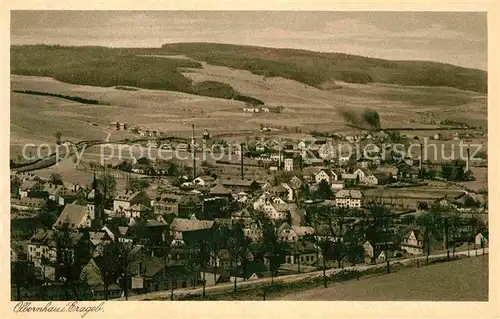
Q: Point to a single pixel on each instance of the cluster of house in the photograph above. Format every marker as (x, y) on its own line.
(34, 191)
(261, 109)
(193, 210)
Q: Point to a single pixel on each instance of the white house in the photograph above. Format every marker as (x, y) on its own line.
(413, 242)
(325, 175)
(348, 198)
(361, 174)
(251, 109)
(370, 180)
(42, 246)
(203, 180)
(124, 200)
(290, 234)
(481, 239)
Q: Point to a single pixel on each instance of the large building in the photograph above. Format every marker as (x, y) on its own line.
(348, 198)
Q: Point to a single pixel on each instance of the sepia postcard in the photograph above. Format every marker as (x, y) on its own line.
(170, 155)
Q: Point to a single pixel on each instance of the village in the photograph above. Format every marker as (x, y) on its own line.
(266, 209)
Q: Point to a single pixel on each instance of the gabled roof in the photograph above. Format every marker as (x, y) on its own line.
(96, 237)
(122, 230)
(154, 223)
(418, 234)
(126, 196)
(182, 225)
(303, 230)
(349, 193)
(283, 226)
(148, 266)
(280, 207)
(219, 190)
(48, 237)
(73, 215)
(27, 185)
(347, 176)
(206, 178)
(244, 213)
(43, 237)
(52, 189)
(237, 182)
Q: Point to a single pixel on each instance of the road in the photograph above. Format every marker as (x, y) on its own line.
(288, 278)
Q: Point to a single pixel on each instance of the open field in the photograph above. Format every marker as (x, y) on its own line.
(36, 118)
(462, 280)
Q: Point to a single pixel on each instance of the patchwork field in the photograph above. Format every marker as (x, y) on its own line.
(36, 119)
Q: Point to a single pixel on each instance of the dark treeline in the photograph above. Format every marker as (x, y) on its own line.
(66, 97)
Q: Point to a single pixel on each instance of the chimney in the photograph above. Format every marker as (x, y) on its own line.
(467, 160)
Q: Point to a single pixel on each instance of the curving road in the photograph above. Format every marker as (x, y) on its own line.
(289, 278)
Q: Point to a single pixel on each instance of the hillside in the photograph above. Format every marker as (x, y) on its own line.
(80, 90)
(100, 66)
(319, 69)
(107, 67)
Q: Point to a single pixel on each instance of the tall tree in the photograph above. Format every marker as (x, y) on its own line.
(66, 252)
(238, 249)
(274, 248)
(219, 236)
(431, 221)
(106, 184)
(56, 179)
(15, 184)
(49, 213)
(379, 227)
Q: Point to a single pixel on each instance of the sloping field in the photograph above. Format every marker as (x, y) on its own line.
(462, 280)
(307, 105)
(37, 118)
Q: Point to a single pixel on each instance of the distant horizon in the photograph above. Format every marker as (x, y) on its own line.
(455, 38)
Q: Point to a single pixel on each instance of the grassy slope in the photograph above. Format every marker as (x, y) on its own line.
(317, 69)
(462, 280)
(106, 67)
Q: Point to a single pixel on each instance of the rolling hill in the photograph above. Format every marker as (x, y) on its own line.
(100, 66)
(80, 90)
(319, 69)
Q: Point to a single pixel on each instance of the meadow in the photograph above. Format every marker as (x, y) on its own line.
(461, 280)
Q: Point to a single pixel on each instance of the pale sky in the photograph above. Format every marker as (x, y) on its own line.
(449, 37)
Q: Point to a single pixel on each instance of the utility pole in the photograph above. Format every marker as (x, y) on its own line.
(193, 150)
(241, 164)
